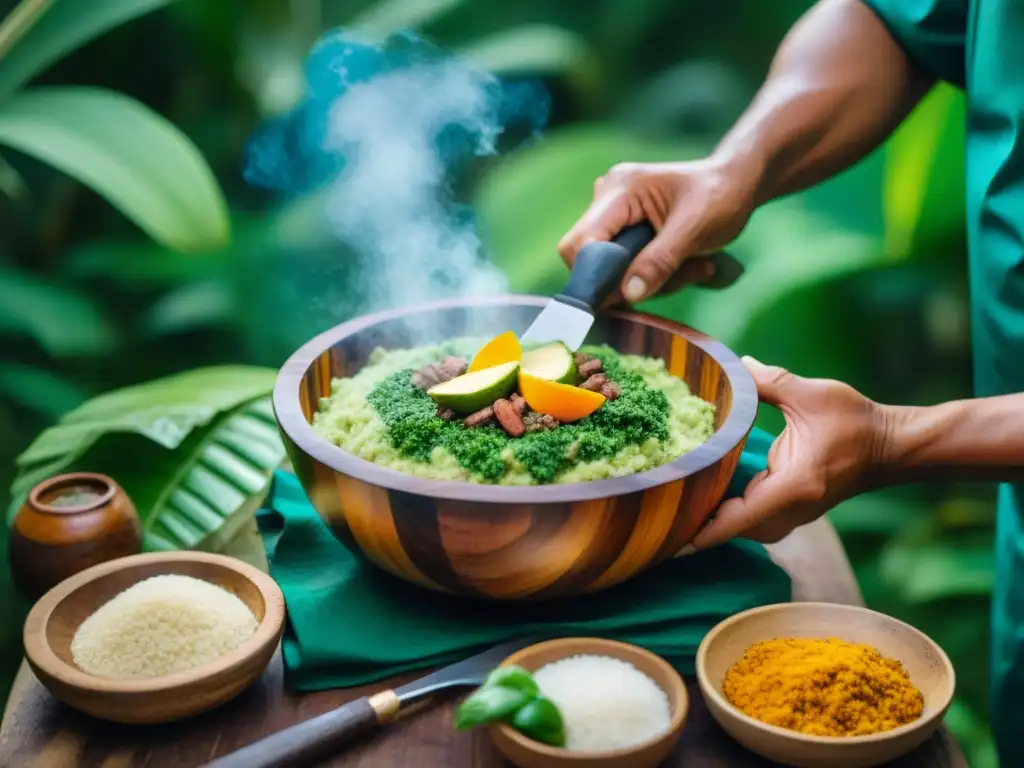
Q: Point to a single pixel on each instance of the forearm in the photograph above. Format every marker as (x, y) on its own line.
(967, 440)
(839, 85)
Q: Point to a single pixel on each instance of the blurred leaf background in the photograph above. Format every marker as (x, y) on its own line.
(131, 248)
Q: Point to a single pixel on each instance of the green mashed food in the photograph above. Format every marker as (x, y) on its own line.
(380, 416)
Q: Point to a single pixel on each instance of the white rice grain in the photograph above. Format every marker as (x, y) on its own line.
(162, 625)
(606, 703)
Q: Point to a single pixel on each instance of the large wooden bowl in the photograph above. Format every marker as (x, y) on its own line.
(504, 542)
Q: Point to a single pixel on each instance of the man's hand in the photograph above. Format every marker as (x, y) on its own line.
(833, 442)
(838, 86)
(696, 207)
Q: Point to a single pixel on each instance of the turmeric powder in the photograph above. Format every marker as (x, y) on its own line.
(822, 687)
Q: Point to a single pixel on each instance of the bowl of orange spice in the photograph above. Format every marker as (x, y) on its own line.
(818, 685)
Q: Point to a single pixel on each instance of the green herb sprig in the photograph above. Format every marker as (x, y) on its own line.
(510, 695)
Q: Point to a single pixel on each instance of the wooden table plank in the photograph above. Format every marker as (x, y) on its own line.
(38, 732)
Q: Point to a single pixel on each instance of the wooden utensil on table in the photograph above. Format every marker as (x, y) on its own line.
(67, 524)
(307, 742)
(596, 273)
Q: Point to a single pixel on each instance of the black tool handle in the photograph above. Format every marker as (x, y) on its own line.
(600, 266)
(308, 742)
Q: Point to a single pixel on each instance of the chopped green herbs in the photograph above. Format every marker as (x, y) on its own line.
(639, 414)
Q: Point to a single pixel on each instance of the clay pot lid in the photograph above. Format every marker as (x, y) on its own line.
(101, 490)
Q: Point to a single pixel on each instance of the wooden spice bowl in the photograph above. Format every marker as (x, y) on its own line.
(527, 753)
(53, 621)
(926, 663)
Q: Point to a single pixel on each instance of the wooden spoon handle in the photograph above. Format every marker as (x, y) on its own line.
(314, 739)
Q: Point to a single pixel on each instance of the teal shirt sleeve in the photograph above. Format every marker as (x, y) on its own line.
(932, 32)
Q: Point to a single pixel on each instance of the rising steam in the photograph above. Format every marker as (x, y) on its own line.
(384, 133)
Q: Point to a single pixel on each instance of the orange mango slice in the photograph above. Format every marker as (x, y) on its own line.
(498, 351)
(564, 402)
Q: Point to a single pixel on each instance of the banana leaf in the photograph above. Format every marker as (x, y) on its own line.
(247, 545)
(195, 452)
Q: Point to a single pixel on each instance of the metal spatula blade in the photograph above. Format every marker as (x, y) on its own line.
(309, 742)
(471, 671)
(562, 322)
(596, 272)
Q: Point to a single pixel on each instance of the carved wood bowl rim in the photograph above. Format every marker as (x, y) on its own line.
(288, 411)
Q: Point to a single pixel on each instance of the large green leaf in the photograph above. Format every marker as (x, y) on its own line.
(165, 411)
(195, 452)
(882, 513)
(530, 199)
(388, 16)
(203, 493)
(785, 249)
(136, 159)
(11, 183)
(134, 265)
(61, 320)
(937, 569)
(924, 171)
(65, 26)
(193, 306)
(529, 49)
(972, 730)
(247, 545)
(39, 390)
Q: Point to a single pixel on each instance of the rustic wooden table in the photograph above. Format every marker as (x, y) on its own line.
(38, 732)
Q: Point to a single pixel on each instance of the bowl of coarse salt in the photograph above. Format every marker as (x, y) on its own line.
(156, 637)
(621, 705)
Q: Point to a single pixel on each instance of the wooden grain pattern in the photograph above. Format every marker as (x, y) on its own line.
(49, 543)
(505, 542)
(53, 621)
(38, 732)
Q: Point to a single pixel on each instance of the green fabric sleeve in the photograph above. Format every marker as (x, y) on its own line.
(932, 32)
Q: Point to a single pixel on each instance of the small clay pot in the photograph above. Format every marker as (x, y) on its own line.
(67, 524)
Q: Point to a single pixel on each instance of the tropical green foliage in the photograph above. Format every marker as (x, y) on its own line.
(194, 451)
(862, 279)
(132, 156)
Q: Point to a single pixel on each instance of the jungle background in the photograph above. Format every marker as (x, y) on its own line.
(131, 250)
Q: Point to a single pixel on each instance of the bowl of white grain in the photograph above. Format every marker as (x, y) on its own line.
(157, 637)
(622, 706)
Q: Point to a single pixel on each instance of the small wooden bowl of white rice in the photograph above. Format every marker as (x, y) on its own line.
(246, 602)
(609, 694)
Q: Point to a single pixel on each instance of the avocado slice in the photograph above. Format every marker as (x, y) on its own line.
(553, 362)
(470, 392)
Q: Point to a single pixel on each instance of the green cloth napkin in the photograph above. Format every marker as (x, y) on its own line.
(350, 623)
